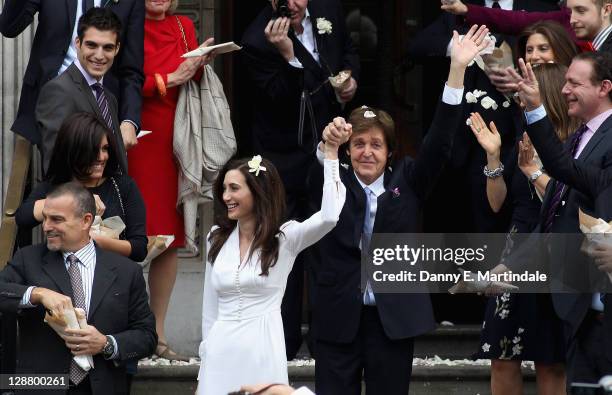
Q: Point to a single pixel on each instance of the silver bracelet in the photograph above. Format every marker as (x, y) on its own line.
(495, 172)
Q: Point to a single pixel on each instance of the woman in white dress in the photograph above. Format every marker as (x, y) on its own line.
(250, 254)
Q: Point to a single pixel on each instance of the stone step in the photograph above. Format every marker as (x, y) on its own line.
(453, 342)
(429, 377)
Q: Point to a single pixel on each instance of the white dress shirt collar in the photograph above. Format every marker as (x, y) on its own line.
(90, 80)
(504, 4)
(378, 186)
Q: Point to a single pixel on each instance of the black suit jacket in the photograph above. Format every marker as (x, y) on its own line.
(65, 95)
(55, 24)
(607, 45)
(119, 307)
(276, 87)
(338, 299)
(587, 178)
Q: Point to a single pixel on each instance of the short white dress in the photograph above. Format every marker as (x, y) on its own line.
(242, 330)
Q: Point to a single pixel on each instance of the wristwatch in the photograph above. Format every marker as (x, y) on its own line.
(534, 176)
(109, 348)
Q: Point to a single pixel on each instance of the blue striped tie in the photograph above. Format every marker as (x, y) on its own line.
(103, 104)
(559, 186)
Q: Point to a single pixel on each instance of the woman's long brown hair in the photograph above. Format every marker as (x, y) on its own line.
(268, 206)
(551, 78)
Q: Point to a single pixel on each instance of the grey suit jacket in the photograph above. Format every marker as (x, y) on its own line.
(63, 96)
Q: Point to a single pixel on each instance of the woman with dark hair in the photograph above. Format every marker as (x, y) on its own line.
(524, 327)
(250, 255)
(546, 42)
(85, 151)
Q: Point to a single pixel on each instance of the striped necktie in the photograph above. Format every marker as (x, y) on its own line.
(559, 186)
(78, 300)
(103, 104)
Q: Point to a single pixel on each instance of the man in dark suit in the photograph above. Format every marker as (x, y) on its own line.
(53, 50)
(592, 20)
(70, 270)
(79, 88)
(588, 91)
(289, 60)
(365, 333)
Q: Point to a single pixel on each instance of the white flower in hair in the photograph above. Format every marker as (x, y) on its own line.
(324, 26)
(369, 114)
(255, 165)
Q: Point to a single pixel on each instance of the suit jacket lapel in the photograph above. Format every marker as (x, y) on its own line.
(54, 266)
(597, 136)
(303, 55)
(355, 189)
(104, 276)
(84, 88)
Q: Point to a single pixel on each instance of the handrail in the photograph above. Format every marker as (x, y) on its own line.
(14, 195)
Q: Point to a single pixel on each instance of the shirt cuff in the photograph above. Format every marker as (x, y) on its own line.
(133, 123)
(331, 170)
(25, 300)
(296, 63)
(116, 353)
(452, 96)
(535, 115)
(320, 153)
(448, 48)
(302, 391)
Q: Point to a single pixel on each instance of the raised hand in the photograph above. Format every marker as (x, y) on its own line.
(488, 138)
(463, 51)
(526, 156)
(276, 33)
(527, 85)
(455, 7)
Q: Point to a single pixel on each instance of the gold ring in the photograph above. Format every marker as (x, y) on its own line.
(478, 129)
(78, 347)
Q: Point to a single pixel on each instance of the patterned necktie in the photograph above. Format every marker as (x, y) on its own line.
(78, 300)
(495, 4)
(103, 104)
(559, 186)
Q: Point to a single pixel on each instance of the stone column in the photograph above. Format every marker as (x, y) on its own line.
(15, 54)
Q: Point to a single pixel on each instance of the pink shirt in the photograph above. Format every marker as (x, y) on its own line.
(593, 125)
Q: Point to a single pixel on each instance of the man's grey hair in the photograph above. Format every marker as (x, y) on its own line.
(85, 202)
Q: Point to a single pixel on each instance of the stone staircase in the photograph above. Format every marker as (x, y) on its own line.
(440, 367)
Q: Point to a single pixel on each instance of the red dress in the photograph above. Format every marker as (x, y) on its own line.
(151, 161)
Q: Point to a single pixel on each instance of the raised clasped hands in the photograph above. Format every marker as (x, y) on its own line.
(526, 84)
(276, 33)
(463, 51)
(337, 133)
